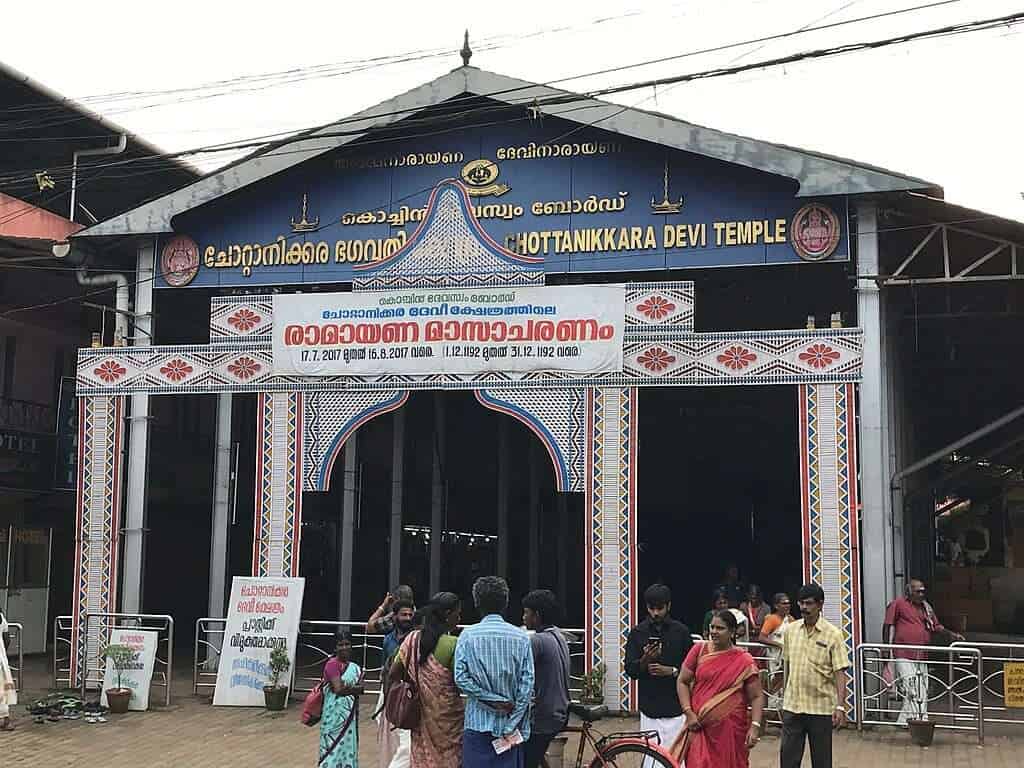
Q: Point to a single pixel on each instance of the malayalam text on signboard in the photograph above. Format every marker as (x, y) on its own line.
(575, 329)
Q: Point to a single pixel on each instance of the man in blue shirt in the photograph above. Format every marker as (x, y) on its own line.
(494, 669)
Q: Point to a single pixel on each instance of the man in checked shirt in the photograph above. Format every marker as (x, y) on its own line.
(494, 668)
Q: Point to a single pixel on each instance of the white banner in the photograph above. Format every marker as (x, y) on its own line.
(139, 674)
(572, 328)
(263, 613)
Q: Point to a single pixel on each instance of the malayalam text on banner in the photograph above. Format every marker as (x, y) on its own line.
(263, 613)
(572, 329)
(139, 673)
(1013, 683)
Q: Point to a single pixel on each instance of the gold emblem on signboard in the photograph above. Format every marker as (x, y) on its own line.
(666, 206)
(481, 176)
(304, 224)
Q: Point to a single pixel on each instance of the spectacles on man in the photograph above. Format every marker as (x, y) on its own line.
(919, 591)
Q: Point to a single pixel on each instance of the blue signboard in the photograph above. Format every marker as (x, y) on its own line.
(583, 199)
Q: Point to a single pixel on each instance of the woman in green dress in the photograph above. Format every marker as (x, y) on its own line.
(427, 658)
(339, 724)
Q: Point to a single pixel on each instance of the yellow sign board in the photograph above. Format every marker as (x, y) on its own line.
(1013, 683)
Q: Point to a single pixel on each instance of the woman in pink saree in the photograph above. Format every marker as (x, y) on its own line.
(427, 658)
(717, 682)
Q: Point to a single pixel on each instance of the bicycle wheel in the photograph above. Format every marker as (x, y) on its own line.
(631, 755)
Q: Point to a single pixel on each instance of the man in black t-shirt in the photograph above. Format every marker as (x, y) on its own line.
(655, 650)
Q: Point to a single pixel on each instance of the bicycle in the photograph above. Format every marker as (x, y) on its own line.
(626, 749)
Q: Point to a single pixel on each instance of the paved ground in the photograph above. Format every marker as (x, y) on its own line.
(193, 734)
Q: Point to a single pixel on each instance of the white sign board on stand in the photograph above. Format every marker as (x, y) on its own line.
(139, 674)
(263, 613)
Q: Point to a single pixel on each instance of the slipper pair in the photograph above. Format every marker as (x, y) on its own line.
(94, 720)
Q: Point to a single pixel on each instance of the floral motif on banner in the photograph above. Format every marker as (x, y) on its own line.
(819, 356)
(244, 320)
(737, 358)
(656, 307)
(656, 359)
(110, 371)
(176, 369)
(244, 368)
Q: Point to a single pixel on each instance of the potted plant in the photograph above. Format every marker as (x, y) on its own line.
(275, 694)
(121, 656)
(922, 730)
(593, 685)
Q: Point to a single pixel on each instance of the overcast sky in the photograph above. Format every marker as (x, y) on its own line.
(947, 110)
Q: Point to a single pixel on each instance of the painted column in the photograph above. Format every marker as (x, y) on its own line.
(97, 525)
(611, 553)
(138, 442)
(828, 481)
(876, 452)
(349, 500)
(397, 490)
(220, 524)
(278, 526)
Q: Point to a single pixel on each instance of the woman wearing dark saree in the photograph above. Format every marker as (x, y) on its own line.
(339, 723)
(715, 685)
(427, 658)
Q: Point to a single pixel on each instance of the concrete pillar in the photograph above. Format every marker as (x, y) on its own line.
(562, 511)
(134, 530)
(397, 489)
(350, 498)
(875, 438)
(503, 497)
(220, 527)
(437, 496)
(533, 532)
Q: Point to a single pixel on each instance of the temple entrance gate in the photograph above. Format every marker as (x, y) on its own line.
(588, 424)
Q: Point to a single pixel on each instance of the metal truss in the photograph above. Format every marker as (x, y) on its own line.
(983, 258)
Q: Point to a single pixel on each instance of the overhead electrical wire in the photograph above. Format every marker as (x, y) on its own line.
(320, 131)
(956, 29)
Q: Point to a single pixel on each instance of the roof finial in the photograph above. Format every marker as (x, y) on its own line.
(466, 52)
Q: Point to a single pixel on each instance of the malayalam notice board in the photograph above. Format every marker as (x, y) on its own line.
(139, 673)
(574, 329)
(263, 613)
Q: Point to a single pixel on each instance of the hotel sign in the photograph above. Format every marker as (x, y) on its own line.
(570, 329)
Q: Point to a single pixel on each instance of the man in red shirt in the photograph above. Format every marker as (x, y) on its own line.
(910, 620)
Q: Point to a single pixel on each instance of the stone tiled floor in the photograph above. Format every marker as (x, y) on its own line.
(193, 734)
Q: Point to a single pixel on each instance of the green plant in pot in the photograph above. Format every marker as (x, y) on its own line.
(593, 685)
(275, 694)
(121, 657)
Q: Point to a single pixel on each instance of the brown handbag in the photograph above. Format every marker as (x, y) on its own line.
(402, 702)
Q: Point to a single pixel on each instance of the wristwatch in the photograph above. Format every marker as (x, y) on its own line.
(675, 671)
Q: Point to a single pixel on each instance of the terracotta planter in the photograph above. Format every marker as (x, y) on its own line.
(921, 732)
(275, 697)
(118, 699)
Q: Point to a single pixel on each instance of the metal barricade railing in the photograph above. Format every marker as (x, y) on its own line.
(208, 640)
(61, 645)
(15, 630)
(994, 657)
(316, 644)
(94, 664)
(773, 677)
(954, 673)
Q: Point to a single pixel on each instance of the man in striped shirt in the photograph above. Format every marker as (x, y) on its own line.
(494, 669)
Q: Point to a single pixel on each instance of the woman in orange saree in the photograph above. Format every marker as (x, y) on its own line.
(715, 685)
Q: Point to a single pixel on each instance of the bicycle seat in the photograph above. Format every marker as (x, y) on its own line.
(588, 712)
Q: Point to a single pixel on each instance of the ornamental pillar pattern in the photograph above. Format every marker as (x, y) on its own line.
(828, 483)
(278, 526)
(97, 527)
(611, 552)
